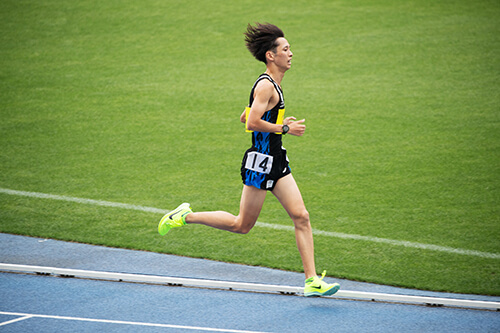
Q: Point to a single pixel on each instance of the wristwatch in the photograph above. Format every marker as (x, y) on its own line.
(285, 129)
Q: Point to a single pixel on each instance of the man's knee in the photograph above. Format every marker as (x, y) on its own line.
(243, 230)
(301, 219)
(242, 226)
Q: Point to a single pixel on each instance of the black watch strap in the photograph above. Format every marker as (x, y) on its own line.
(285, 129)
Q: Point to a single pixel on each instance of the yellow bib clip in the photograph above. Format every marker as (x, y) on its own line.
(279, 120)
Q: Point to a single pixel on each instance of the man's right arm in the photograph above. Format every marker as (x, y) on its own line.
(263, 95)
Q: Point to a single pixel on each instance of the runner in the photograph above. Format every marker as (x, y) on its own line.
(265, 165)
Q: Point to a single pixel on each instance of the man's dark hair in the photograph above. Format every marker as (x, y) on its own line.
(262, 38)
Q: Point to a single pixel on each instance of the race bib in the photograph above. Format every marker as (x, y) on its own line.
(259, 162)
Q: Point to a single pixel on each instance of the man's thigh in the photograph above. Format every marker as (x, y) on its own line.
(288, 194)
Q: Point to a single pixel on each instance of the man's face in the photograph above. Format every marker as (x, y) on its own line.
(283, 55)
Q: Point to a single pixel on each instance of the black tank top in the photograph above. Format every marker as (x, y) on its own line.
(269, 143)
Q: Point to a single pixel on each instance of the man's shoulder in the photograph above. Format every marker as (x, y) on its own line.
(264, 85)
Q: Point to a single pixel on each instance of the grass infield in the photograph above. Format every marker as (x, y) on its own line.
(138, 102)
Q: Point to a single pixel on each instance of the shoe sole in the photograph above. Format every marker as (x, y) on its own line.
(163, 229)
(329, 292)
(164, 225)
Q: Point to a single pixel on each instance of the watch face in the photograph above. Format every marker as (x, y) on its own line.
(285, 129)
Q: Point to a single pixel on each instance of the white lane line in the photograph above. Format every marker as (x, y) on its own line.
(423, 246)
(153, 279)
(15, 320)
(415, 245)
(244, 286)
(83, 201)
(30, 315)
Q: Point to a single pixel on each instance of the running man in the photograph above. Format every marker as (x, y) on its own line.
(265, 165)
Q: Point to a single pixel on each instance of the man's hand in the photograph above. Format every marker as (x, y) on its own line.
(297, 128)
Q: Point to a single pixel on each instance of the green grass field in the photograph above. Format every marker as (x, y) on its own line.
(139, 101)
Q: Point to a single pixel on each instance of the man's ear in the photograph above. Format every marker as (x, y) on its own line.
(270, 55)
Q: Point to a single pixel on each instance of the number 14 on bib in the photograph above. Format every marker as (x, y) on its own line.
(259, 162)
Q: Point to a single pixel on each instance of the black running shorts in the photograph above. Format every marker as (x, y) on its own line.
(264, 170)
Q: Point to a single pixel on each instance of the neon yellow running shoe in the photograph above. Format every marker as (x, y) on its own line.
(174, 219)
(317, 287)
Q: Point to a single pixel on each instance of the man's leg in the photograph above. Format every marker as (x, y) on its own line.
(252, 200)
(288, 193)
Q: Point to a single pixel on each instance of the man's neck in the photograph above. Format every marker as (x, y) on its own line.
(275, 73)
